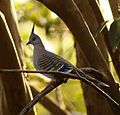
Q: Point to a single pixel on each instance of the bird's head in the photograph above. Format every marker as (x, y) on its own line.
(34, 39)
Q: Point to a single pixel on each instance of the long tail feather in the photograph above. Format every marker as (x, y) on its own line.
(92, 79)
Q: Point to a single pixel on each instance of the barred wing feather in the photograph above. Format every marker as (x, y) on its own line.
(51, 62)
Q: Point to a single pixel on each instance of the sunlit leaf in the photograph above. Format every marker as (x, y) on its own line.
(114, 34)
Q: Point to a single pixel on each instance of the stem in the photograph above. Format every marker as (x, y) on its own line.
(38, 97)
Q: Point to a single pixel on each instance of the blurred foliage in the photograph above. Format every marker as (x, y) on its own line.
(114, 34)
(56, 38)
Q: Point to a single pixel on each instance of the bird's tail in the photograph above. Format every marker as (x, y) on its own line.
(91, 78)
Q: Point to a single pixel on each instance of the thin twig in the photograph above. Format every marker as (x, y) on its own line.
(61, 75)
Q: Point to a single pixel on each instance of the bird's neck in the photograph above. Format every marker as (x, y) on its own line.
(39, 47)
(38, 50)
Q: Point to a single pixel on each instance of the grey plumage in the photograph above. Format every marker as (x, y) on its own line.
(48, 61)
(45, 60)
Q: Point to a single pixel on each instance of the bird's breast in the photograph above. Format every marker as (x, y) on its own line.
(36, 56)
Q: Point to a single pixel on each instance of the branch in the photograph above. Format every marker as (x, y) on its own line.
(48, 89)
(49, 104)
(62, 75)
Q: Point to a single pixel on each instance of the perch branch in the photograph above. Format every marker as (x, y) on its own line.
(62, 75)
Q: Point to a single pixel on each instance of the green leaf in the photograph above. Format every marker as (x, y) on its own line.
(100, 29)
(114, 34)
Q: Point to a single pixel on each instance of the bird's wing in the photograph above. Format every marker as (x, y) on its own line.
(51, 62)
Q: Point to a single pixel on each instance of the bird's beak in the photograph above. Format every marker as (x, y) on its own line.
(28, 42)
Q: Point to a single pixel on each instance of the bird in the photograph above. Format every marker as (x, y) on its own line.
(48, 61)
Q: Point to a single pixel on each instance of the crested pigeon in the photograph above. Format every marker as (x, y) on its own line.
(48, 61)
